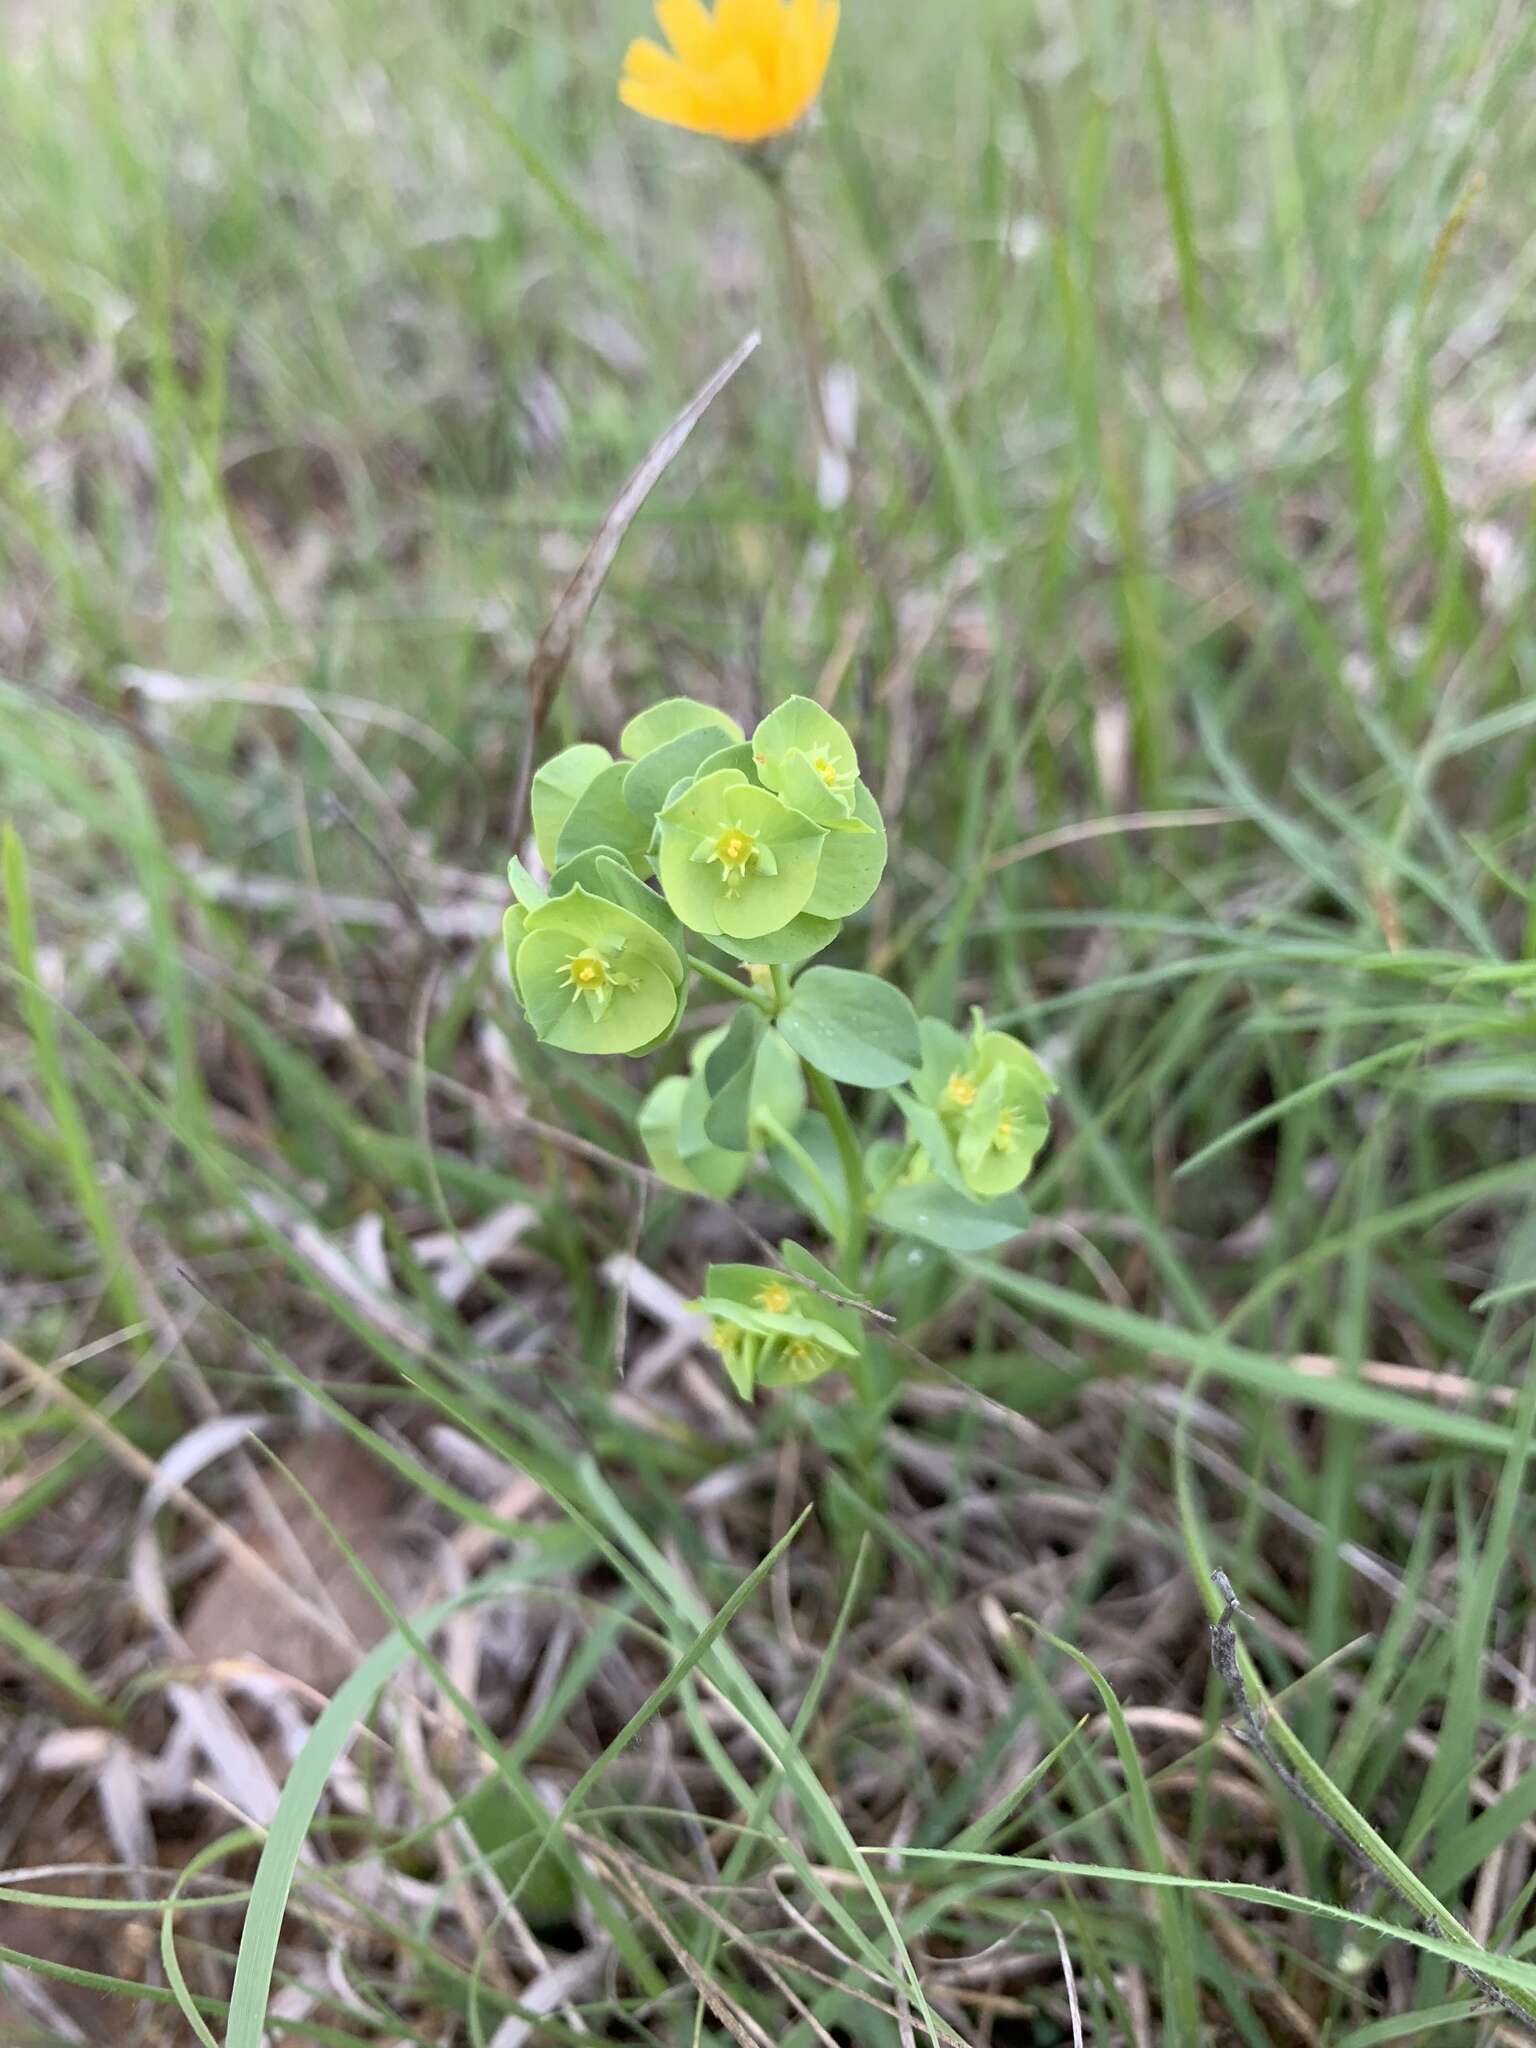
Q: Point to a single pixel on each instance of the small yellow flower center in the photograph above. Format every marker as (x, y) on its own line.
(586, 973)
(775, 1299)
(725, 1337)
(826, 769)
(1002, 1137)
(592, 978)
(961, 1091)
(804, 1355)
(738, 852)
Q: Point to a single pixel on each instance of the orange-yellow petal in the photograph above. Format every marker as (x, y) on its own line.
(647, 60)
(761, 25)
(654, 82)
(690, 28)
(745, 72)
(660, 101)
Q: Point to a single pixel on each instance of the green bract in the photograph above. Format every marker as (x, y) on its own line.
(595, 977)
(556, 789)
(981, 1107)
(673, 1118)
(802, 753)
(734, 859)
(852, 862)
(772, 1331)
(668, 721)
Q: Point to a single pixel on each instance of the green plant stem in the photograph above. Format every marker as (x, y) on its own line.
(786, 1140)
(742, 992)
(855, 1233)
(850, 1250)
(878, 1195)
(802, 310)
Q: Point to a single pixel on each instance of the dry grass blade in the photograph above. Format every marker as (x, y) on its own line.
(558, 639)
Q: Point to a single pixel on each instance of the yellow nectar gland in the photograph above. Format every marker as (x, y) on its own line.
(961, 1091)
(827, 770)
(1003, 1136)
(802, 1354)
(590, 975)
(736, 852)
(775, 1299)
(725, 1337)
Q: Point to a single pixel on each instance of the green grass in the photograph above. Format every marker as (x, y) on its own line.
(1193, 494)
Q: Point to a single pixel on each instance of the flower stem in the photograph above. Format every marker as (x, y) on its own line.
(738, 989)
(802, 309)
(855, 1233)
(909, 1153)
(850, 1263)
(770, 1126)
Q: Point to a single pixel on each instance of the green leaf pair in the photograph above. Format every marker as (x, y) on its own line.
(771, 1331)
(745, 1089)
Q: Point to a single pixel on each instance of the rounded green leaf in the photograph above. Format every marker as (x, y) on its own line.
(854, 1027)
(738, 757)
(556, 788)
(601, 818)
(851, 863)
(801, 939)
(777, 1092)
(728, 1075)
(795, 1362)
(707, 1172)
(733, 859)
(940, 1215)
(649, 784)
(668, 721)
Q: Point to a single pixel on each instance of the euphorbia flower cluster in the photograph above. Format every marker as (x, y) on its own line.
(759, 849)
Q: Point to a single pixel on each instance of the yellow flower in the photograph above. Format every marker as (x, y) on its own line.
(745, 72)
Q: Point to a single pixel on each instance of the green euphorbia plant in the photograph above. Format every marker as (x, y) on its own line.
(760, 849)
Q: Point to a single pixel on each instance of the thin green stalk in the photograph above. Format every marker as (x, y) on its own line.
(788, 1142)
(742, 991)
(850, 1262)
(802, 309)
